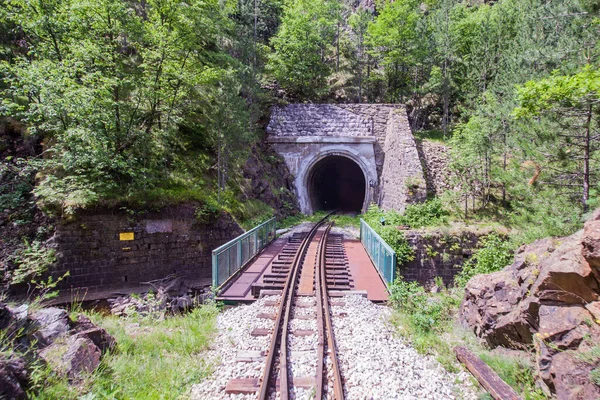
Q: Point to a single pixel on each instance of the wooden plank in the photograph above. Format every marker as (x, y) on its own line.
(338, 303)
(250, 356)
(242, 386)
(305, 382)
(263, 315)
(304, 305)
(303, 332)
(305, 316)
(260, 332)
(269, 292)
(486, 376)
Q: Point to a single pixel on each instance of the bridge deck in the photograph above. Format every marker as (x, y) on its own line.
(362, 271)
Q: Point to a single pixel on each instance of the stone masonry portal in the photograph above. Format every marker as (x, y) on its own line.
(347, 156)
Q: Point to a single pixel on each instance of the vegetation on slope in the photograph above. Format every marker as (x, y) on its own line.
(155, 358)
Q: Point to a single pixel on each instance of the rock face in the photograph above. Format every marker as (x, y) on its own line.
(13, 378)
(435, 158)
(71, 348)
(548, 298)
(75, 358)
(51, 323)
(269, 180)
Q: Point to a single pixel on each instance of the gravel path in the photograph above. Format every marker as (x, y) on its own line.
(375, 363)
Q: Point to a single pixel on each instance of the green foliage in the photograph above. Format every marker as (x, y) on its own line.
(517, 372)
(494, 253)
(595, 376)
(569, 107)
(394, 38)
(301, 47)
(209, 210)
(297, 219)
(155, 359)
(425, 313)
(346, 220)
(32, 262)
(120, 115)
(428, 213)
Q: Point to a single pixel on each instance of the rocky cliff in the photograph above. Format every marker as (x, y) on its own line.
(548, 301)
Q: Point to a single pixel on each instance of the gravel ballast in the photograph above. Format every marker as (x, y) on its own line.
(375, 363)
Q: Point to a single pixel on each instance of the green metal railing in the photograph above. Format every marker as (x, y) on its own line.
(380, 252)
(233, 255)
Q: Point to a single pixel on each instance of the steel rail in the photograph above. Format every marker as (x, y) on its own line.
(320, 322)
(338, 387)
(283, 315)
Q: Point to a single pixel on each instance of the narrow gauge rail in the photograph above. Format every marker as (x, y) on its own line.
(280, 333)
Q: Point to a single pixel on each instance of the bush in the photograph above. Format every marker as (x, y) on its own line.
(494, 253)
(429, 213)
(389, 231)
(32, 261)
(425, 313)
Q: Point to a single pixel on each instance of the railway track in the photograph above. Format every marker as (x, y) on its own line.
(301, 360)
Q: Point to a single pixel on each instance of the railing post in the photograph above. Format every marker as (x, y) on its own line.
(239, 255)
(215, 270)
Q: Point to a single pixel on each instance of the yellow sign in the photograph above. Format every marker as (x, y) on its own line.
(126, 236)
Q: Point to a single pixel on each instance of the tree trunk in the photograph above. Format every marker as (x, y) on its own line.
(586, 161)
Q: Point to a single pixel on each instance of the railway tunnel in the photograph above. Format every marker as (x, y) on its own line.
(337, 183)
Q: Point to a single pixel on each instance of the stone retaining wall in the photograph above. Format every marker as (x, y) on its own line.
(165, 242)
(438, 254)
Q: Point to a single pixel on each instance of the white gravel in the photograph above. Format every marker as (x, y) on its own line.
(375, 363)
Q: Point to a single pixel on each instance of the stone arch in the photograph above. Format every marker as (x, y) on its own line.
(307, 166)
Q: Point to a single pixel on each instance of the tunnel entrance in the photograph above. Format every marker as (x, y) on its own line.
(337, 183)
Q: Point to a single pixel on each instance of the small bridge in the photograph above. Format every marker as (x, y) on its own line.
(347, 156)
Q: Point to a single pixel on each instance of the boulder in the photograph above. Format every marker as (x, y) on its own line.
(515, 329)
(102, 339)
(74, 358)
(591, 244)
(571, 378)
(13, 378)
(49, 324)
(487, 299)
(566, 326)
(6, 316)
(565, 277)
(84, 327)
(181, 303)
(82, 323)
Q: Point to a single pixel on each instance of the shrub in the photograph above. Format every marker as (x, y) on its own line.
(389, 231)
(493, 254)
(429, 213)
(32, 260)
(425, 313)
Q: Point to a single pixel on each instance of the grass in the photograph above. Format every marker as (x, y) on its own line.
(341, 220)
(516, 371)
(297, 219)
(429, 322)
(155, 359)
(347, 220)
(433, 135)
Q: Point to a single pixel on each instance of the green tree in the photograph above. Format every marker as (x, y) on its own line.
(302, 56)
(396, 40)
(569, 106)
(110, 84)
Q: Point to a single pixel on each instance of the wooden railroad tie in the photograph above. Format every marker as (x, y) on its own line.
(486, 376)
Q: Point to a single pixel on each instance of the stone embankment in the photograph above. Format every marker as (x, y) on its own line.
(375, 363)
(547, 300)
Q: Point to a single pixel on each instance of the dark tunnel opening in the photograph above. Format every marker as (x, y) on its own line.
(337, 183)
